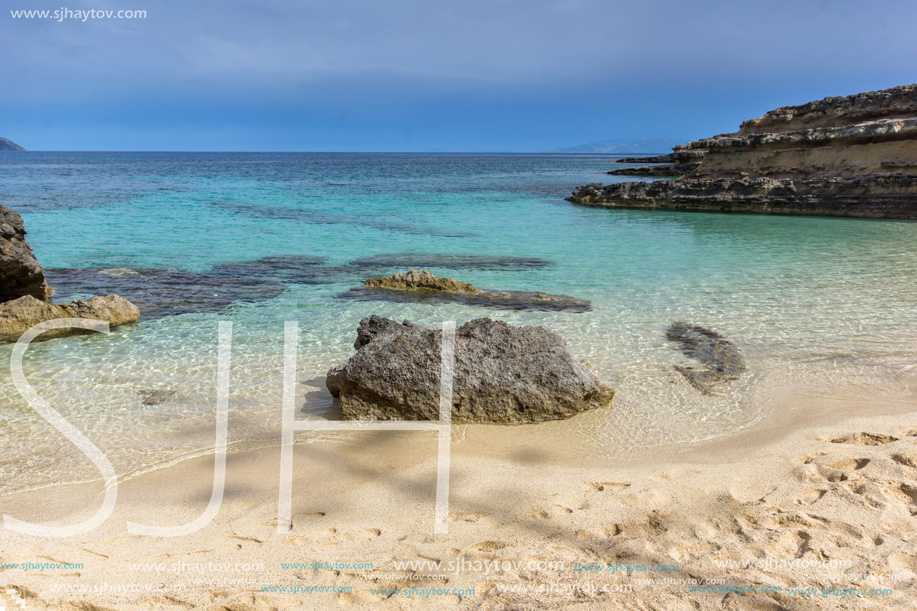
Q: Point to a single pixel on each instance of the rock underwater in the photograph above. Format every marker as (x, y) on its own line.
(20, 315)
(422, 286)
(721, 360)
(502, 374)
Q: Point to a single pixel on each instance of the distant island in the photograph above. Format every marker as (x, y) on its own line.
(623, 146)
(9, 145)
(840, 156)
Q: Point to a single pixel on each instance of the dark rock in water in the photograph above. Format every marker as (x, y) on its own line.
(9, 145)
(155, 397)
(307, 215)
(297, 269)
(294, 269)
(409, 260)
(721, 359)
(20, 272)
(20, 315)
(880, 196)
(165, 292)
(502, 375)
(423, 287)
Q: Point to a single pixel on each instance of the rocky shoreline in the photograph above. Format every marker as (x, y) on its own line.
(841, 156)
(25, 294)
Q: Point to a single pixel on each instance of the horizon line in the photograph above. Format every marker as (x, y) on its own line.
(556, 152)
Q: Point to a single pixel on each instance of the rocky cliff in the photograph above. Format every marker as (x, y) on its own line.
(841, 156)
(20, 272)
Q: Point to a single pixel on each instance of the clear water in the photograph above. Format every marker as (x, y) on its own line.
(825, 304)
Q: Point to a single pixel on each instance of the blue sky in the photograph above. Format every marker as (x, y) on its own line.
(419, 75)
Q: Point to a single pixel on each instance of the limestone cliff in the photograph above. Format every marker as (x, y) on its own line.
(841, 156)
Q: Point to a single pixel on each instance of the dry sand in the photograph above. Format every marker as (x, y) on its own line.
(820, 495)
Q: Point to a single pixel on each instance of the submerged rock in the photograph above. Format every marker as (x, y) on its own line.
(165, 292)
(720, 358)
(451, 261)
(297, 269)
(20, 315)
(323, 217)
(420, 286)
(20, 272)
(155, 397)
(502, 374)
(840, 156)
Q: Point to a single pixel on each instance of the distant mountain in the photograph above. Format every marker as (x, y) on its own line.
(651, 145)
(8, 145)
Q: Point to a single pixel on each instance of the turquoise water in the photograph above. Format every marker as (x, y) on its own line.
(822, 304)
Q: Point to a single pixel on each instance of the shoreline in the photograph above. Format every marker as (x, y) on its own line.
(376, 506)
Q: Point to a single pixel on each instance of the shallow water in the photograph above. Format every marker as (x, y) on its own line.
(825, 304)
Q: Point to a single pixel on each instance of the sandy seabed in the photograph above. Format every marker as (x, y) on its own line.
(815, 507)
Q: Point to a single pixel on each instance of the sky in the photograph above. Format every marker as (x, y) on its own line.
(428, 75)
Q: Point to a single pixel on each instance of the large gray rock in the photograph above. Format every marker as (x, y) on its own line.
(20, 272)
(20, 315)
(503, 374)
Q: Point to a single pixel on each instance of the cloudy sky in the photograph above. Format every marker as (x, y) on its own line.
(420, 75)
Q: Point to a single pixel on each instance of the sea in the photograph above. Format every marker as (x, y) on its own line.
(817, 307)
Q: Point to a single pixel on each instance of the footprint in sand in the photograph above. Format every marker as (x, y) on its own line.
(908, 459)
(807, 498)
(299, 517)
(906, 493)
(809, 457)
(606, 486)
(456, 516)
(549, 512)
(787, 520)
(794, 543)
(864, 439)
(487, 546)
(883, 493)
(849, 464)
(899, 561)
(693, 550)
(598, 533)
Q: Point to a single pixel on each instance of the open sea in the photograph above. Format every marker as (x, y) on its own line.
(827, 306)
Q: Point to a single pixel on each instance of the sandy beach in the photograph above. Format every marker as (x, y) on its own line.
(489, 306)
(819, 496)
